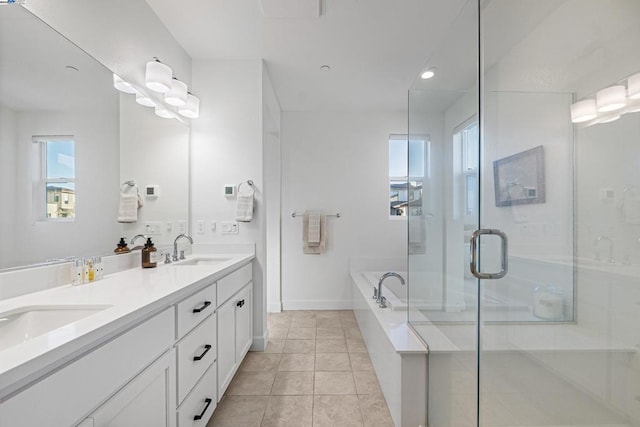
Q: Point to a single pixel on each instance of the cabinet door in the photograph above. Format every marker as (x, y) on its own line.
(148, 400)
(226, 345)
(244, 322)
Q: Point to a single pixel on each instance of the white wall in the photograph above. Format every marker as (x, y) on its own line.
(8, 161)
(155, 151)
(97, 174)
(336, 162)
(226, 148)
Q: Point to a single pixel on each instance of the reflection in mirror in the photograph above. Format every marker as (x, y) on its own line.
(67, 139)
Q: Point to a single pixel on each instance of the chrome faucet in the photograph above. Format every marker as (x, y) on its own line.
(136, 237)
(175, 245)
(382, 301)
(606, 239)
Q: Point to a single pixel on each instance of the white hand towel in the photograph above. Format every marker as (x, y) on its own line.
(244, 206)
(313, 235)
(306, 247)
(128, 207)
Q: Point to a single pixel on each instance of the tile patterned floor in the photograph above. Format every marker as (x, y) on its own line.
(314, 372)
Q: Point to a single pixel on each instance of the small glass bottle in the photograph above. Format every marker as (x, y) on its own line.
(85, 270)
(91, 267)
(99, 268)
(76, 272)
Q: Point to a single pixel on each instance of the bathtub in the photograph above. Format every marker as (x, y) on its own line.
(397, 355)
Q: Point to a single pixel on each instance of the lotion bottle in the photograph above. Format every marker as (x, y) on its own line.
(149, 255)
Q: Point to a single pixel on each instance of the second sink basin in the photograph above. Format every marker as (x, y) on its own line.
(202, 261)
(24, 323)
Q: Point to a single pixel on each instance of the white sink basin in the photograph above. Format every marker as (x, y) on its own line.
(22, 324)
(202, 261)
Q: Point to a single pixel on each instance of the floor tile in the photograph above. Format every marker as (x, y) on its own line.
(332, 333)
(289, 411)
(331, 346)
(352, 332)
(304, 322)
(251, 384)
(293, 383)
(260, 362)
(279, 332)
(299, 346)
(356, 346)
(234, 411)
(297, 362)
(375, 412)
(334, 411)
(274, 346)
(333, 362)
(366, 382)
(329, 322)
(334, 383)
(360, 362)
(301, 333)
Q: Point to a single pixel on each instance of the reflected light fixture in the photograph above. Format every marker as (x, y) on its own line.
(158, 76)
(611, 99)
(609, 119)
(427, 74)
(143, 99)
(177, 95)
(164, 113)
(121, 85)
(191, 109)
(633, 86)
(583, 111)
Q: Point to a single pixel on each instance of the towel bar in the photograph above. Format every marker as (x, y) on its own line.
(295, 214)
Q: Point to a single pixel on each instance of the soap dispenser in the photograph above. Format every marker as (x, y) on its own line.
(149, 255)
(122, 247)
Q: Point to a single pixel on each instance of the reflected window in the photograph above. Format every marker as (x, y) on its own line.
(406, 175)
(466, 137)
(58, 166)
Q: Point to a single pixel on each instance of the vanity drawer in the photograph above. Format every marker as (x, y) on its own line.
(195, 309)
(229, 285)
(201, 402)
(196, 352)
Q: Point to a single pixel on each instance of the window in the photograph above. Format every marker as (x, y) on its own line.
(406, 175)
(57, 154)
(466, 137)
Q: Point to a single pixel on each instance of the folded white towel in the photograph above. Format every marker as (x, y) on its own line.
(244, 205)
(318, 248)
(313, 235)
(128, 207)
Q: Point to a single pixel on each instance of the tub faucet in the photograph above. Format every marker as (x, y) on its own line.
(136, 237)
(382, 301)
(175, 245)
(606, 239)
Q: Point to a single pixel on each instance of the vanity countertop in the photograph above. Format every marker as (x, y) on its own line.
(130, 296)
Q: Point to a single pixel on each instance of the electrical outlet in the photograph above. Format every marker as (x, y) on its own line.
(182, 226)
(169, 227)
(213, 226)
(200, 226)
(153, 228)
(229, 227)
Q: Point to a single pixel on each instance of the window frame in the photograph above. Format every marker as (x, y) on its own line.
(408, 178)
(40, 201)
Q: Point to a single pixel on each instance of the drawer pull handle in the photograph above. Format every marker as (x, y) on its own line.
(199, 417)
(205, 305)
(206, 349)
(240, 303)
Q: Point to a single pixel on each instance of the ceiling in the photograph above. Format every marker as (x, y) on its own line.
(375, 48)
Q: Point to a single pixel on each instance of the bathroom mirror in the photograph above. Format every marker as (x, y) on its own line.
(67, 139)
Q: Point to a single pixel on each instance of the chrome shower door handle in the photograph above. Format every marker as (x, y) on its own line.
(473, 264)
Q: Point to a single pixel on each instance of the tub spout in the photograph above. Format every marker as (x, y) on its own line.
(380, 299)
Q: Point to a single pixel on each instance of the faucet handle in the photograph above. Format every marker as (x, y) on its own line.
(375, 293)
(383, 302)
(167, 259)
(182, 254)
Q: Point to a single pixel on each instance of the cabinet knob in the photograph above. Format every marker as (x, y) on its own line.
(240, 303)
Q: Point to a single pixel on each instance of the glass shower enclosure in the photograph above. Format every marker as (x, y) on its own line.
(524, 261)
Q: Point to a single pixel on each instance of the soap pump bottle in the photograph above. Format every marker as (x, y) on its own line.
(122, 247)
(149, 255)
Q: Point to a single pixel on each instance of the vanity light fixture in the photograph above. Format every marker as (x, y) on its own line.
(122, 85)
(427, 74)
(633, 87)
(583, 111)
(611, 99)
(164, 113)
(191, 109)
(609, 119)
(143, 99)
(177, 95)
(158, 76)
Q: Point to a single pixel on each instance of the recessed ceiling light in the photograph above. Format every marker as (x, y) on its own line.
(325, 68)
(427, 74)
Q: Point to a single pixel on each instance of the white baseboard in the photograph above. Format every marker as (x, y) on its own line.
(317, 305)
(274, 307)
(260, 342)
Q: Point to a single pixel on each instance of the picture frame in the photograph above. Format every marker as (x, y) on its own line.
(519, 179)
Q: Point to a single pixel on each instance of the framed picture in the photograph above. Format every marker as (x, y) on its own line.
(519, 179)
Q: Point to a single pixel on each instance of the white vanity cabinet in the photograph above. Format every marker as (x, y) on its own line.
(235, 324)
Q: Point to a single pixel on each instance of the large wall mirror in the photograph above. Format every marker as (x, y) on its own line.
(68, 140)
